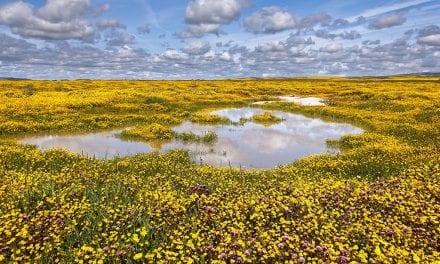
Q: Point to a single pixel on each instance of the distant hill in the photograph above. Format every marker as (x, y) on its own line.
(433, 74)
(13, 79)
(420, 74)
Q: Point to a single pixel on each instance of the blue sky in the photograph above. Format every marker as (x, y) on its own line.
(214, 39)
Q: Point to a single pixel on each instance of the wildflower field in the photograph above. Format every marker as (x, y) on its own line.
(377, 201)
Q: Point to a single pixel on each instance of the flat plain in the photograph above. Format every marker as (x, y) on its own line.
(375, 201)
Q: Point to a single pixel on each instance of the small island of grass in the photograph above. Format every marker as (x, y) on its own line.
(208, 137)
(203, 118)
(156, 132)
(148, 133)
(266, 118)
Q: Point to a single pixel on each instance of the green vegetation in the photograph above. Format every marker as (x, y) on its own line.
(208, 137)
(203, 118)
(148, 133)
(266, 118)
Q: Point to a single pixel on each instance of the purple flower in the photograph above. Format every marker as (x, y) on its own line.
(239, 260)
(223, 256)
(281, 245)
(60, 221)
(342, 260)
(390, 232)
(302, 260)
(247, 253)
(305, 244)
(319, 249)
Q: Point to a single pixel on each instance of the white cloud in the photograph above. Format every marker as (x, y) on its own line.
(173, 54)
(207, 16)
(199, 30)
(273, 19)
(270, 20)
(58, 20)
(110, 23)
(310, 21)
(63, 10)
(197, 48)
(332, 48)
(433, 40)
(119, 38)
(387, 21)
(429, 35)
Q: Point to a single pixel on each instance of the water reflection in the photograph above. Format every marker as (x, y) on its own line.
(306, 101)
(249, 145)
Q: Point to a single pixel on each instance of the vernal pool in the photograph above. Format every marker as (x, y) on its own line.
(247, 145)
(305, 101)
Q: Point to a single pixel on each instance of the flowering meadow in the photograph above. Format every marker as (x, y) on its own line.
(376, 201)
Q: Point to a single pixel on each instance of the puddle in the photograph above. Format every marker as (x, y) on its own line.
(306, 101)
(249, 145)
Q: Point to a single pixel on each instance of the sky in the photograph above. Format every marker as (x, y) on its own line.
(217, 39)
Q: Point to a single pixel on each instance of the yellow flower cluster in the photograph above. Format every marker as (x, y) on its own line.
(204, 118)
(147, 133)
(266, 118)
(377, 201)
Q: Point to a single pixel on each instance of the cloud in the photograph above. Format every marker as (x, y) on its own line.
(371, 42)
(102, 9)
(433, 40)
(197, 48)
(429, 35)
(273, 19)
(293, 40)
(348, 35)
(224, 44)
(274, 46)
(63, 10)
(199, 30)
(172, 54)
(313, 20)
(340, 22)
(116, 38)
(57, 20)
(14, 49)
(145, 29)
(387, 21)
(213, 11)
(332, 48)
(389, 8)
(110, 23)
(292, 55)
(208, 16)
(292, 45)
(270, 20)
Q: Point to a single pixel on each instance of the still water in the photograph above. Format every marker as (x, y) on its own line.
(249, 145)
(305, 101)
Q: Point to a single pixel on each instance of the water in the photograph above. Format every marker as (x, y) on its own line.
(306, 101)
(249, 145)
